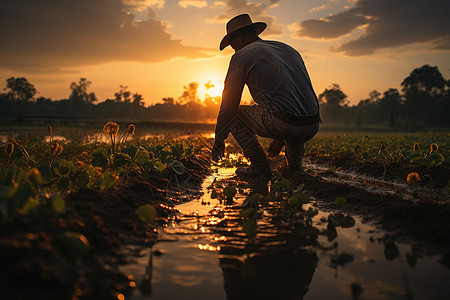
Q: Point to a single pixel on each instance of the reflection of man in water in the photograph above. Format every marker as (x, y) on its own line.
(269, 275)
(278, 263)
(287, 109)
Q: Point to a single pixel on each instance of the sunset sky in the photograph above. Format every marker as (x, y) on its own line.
(155, 47)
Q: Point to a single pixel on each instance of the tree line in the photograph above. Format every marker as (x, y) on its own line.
(423, 101)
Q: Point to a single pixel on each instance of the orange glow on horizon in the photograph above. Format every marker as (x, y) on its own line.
(211, 84)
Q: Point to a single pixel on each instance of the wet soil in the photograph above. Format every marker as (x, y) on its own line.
(33, 256)
(418, 214)
(37, 263)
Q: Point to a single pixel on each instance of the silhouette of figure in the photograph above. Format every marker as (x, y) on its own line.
(278, 263)
(287, 108)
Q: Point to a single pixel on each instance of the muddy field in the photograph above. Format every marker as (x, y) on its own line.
(34, 251)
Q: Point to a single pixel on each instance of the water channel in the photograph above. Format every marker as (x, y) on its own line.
(204, 253)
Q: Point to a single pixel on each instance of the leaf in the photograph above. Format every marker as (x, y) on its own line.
(347, 222)
(121, 159)
(130, 150)
(229, 192)
(250, 227)
(63, 167)
(434, 159)
(252, 200)
(310, 212)
(299, 188)
(248, 213)
(276, 187)
(333, 221)
(147, 213)
(22, 193)
(142, 157)
(178, 167)
(159, 166)
(285, 183)
(75, 244)
(299, 199)
(270, 197)
(58, 204)
(107, 181)
(99, 158)
(31, 205)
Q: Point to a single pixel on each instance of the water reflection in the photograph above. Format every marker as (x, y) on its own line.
(209, 255)
(95, 134)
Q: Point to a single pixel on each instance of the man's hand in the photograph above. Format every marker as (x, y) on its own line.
(275, 148)
(218, 150)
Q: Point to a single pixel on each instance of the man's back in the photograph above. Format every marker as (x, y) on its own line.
(276, 75)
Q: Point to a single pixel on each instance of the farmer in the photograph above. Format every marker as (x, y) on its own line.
(287, 109)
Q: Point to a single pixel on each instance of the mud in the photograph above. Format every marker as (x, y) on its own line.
(416, 214)
(37, 265)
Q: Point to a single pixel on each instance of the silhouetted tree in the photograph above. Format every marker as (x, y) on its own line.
(332, 100)
(374, 96)
(190, 93)
(333, 95)
(138, 99)
(425, 94)
(79, 92)
(123, 95)
(389, 106)
(19, 89)
(168, 101)
(426, 78)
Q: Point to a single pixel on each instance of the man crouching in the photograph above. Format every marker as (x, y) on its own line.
(287, 109)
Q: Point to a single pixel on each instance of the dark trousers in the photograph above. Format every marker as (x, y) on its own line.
(253, 120)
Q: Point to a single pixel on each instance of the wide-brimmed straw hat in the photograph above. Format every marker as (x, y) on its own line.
(240, 22)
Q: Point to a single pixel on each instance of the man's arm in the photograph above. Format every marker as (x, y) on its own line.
(231, 97)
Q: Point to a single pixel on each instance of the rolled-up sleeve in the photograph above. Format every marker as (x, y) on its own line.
(231, 98)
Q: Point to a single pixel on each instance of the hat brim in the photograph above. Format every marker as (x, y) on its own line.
(259, 28)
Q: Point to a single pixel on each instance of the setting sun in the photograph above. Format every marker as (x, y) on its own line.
(210, 84)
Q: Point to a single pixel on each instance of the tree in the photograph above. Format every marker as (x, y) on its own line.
(374, 96)
(138, 99)
(332, 100)
(168, 101)
(426, 78)
(190, 93)
(389, 105)
(79, 92)
(333, 95)
(123, 94)
(424, 91)
(19, 89)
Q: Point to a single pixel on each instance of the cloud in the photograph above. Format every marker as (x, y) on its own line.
(257, 12)
(144, 4)
(317, 8)
(70, 33)
(195, 3)
(385, 24)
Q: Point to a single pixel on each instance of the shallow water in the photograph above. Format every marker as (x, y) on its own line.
(205, 254)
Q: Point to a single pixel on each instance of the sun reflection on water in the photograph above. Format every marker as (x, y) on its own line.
(208, 247)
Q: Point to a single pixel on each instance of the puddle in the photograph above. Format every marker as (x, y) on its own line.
(205, 254)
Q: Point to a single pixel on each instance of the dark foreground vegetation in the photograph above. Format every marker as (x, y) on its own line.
(68, 209)
(422, 103)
